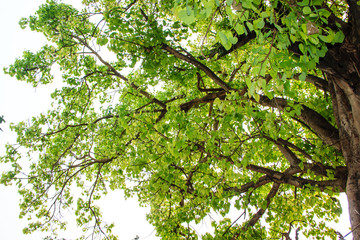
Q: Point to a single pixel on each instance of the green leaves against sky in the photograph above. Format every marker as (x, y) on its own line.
(193, 106)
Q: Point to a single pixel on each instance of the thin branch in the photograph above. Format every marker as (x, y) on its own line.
(233, 223)
(118, 74)
(78, 125)
(261, 211)
(197, 64)
(207, 31)
(97, 220)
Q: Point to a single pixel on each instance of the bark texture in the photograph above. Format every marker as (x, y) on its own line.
(342, 68)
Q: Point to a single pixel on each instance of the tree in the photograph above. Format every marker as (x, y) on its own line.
(196, 107)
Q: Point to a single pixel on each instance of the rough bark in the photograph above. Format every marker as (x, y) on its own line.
(342, 69)
(350, 148)
(352, 155)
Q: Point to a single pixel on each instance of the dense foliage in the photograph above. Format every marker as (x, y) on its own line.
(197, 107)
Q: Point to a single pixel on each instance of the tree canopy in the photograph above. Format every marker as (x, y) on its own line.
(196, 107)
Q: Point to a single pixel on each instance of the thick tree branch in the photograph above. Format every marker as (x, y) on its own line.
(208, 98)
(316, 167)
(319, 83)
(327, 132)
(290, 145)
(256, 217)
(282, 178)
(242, 41)
(261, 211)
(201, 89)
(289, 155)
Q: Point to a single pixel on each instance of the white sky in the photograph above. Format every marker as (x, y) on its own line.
(19, 101)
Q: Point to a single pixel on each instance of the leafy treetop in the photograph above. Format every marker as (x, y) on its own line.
(197, 107)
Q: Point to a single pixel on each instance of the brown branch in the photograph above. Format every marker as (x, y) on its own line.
(206, 99)
(234, 72)
(78, 125)
(162, 114)
(256, 217)
(197, 64)
(289, 145)
(130, 5)
(289, 155)
(282, 178)
(354, 10)
(251, 185)
(118, 74)
(327, 132)
(97, 220)
(200, 80)
(144, 15)
(316, 167)
(319, 83)
(175, 98)
(261, 211)
(242, 41)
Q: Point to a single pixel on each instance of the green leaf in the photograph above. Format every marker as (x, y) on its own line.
(233, 40)
(324, 38)
(224, 40)
(188, 10)
(302, 48)
(339, 37)
(185, 17)
(302, 76)
(306, 10)
(229, 2)
(239, 29)
(317, 2)
(303, 3)
(250, 26)
(338, 211)
(256, 97)
(102, 41)
(259, 23)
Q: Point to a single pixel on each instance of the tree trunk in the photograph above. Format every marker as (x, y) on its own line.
(353, 195)
(350, 148)
(342, 68)
(351, 152)
(343, 64)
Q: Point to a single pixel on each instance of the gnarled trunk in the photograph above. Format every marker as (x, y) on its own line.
(343, 72)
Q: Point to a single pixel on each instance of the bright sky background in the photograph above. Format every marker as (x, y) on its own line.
(19, 101)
